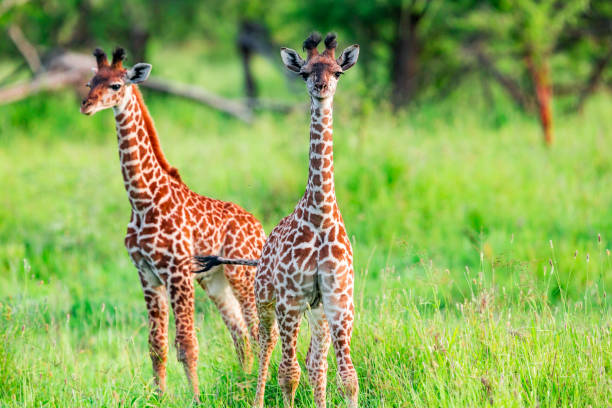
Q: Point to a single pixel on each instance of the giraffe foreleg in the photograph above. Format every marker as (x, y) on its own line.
(316, 359)
(157, 308)
(268, 335)
(181, 291)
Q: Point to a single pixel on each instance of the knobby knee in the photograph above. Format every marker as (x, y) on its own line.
(289, 369)
(159, 355)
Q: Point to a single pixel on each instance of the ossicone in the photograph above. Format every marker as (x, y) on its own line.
(101, 58)
(311, 43)
(330, 44)
(118, 57)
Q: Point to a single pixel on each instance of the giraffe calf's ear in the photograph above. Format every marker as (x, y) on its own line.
(349, 57)
(138, 73)
(292, 59)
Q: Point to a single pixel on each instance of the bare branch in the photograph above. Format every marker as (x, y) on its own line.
(273, 105)
(509, 84)
(594, 79)
(25, 48)
(235, 109)
(71, 69)
(51, 81)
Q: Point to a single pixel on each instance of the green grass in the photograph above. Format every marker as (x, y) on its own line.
(480, 278)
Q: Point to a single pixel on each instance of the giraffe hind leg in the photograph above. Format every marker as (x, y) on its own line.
(339, 311)
(289, 370)
(218, 288)
(268, 335)
(316, 359)
(241, 279)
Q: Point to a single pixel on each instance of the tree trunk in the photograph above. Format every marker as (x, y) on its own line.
(405, 52)
(249, 79)
(138, 38)
(81, 34)
(540, 77)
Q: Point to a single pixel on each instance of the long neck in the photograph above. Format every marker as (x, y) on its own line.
(144, 168)
(320, 190)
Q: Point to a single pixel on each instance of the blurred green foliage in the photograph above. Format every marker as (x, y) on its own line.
(481, 275)
(411, 49)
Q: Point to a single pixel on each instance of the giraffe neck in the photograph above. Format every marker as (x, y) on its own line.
(144, 168)
(320, 190)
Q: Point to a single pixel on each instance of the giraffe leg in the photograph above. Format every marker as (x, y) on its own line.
(316, 359)
(340, 311)
(241, 279)
(220, 292)
(289, 369)
(268, 335)
(180, 288)
(157, 307)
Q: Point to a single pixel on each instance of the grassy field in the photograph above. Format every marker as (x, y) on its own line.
(482, 262)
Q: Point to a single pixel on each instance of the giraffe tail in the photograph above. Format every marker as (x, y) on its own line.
(208, 262)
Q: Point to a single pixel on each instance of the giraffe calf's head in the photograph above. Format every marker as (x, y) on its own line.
(320, 71)
(108, 86)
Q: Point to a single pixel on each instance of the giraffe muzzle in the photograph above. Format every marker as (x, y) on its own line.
(86, 107)
(321, 90)
(321, 87)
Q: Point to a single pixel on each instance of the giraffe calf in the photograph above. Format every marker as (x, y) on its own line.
(170, 224)
(307, 262)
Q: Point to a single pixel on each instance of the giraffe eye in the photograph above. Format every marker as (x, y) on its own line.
(115, 87)
(305, 75)
(338, 74)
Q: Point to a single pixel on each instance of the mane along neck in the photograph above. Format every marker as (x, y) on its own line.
(153, 138)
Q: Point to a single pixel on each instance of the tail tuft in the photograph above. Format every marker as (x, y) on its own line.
(206, 263)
